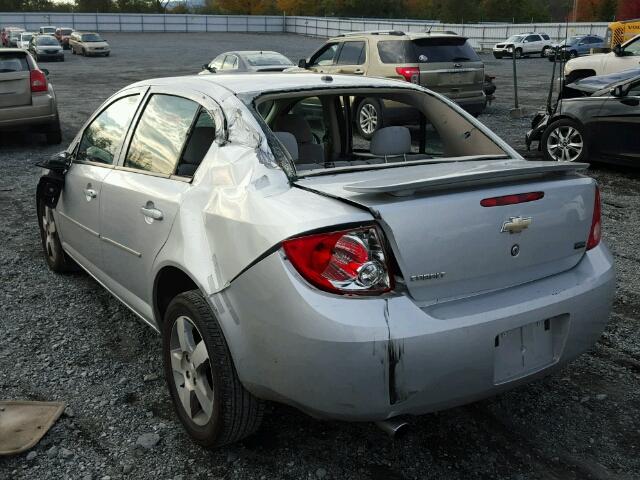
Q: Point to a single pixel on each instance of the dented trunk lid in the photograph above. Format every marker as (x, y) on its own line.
(447, 245)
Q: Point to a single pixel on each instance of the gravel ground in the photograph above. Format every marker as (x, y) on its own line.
(65, 338)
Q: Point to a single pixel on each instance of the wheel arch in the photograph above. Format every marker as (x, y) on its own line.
(170, 280)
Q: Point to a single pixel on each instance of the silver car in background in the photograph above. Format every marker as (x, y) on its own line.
(282, 259)
(246, 61)
(27, 98)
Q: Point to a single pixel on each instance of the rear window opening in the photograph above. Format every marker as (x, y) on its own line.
(326, 131)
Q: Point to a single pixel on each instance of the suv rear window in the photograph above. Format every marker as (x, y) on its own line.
(13, 62)
(452, 49)
(427, 50)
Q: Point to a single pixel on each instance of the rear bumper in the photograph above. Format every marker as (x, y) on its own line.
(96, 53)
(474, 105)
(42, 111)
(374, 358)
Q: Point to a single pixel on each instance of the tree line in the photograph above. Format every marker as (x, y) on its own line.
(452, 11)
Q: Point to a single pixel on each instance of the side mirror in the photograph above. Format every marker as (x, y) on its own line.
(209, 68)
(617, 50)
(618, 91)
(302, 63)
(45, 71)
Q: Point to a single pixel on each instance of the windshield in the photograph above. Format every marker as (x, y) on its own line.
(515, 38)
(25, 37)
(91, 37)
(263, 59)
(46, 40)
(310, 128)
(14, 34)
(454, 49)
(48, 29)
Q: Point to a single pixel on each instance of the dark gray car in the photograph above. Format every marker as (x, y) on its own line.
(247, 61)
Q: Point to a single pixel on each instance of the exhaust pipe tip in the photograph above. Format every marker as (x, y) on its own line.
(393, 427)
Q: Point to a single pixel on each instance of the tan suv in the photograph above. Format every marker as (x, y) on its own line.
(441, 61)
(27, 99)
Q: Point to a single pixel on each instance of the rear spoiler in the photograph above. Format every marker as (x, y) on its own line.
(406, 181)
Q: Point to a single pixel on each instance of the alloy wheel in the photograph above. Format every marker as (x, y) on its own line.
(368, 118)
(191, 368)
(565, 143)
(49, 229)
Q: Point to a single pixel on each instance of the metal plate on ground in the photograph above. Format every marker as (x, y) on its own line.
(24, 423)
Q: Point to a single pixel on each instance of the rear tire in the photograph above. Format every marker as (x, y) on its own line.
(369, 117)
(564, 140)
(201, 376)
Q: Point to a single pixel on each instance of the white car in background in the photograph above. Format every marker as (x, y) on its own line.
(524, 44)
(24, 39)
(622, 57)
(47, 30)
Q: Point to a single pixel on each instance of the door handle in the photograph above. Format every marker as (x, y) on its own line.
(90, 193)
(152, 213)
(358, 71)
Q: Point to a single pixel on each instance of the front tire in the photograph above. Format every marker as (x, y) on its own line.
(573, 54)
(368, 117)
(56, 258)
(545, 51)
(564, 140)
(518, 53)
(213, 406)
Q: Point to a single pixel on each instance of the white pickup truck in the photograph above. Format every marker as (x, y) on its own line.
(623, 57)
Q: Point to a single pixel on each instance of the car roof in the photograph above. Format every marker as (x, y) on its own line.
(277, 82)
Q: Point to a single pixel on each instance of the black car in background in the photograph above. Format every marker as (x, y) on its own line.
(597, 118)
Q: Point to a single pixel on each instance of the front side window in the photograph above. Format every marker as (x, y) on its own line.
(230, 62)
(352, 53)
(633, 49)
(325, 56)
(217, 63)
(101, 139)
(160, 134)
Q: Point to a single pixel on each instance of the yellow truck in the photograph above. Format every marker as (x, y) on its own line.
(620, 32)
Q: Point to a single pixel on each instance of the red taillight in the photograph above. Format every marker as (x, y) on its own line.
(346, 262)
(38, 81)
(511, 199)
(410, 74)
(595, 234)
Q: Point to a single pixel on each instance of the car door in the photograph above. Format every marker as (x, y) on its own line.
(351, 58)
(630, 58)
(92, 160)
(531, 44)
(141, 197)
(323, 60)
(618, 125)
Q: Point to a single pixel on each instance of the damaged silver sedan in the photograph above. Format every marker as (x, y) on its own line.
(284, 258)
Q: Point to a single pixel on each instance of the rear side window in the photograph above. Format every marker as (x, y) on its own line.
(161, 133)
(103, 136)
(13, 62)
(545, 36)
(394, 51)
(200, 139)
(352, 53)
(454, 49)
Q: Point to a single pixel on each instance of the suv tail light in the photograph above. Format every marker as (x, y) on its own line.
(595, 234)
(38, 81)
(410, 74)
(344, 262)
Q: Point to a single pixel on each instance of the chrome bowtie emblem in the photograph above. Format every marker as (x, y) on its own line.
(516, 224)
